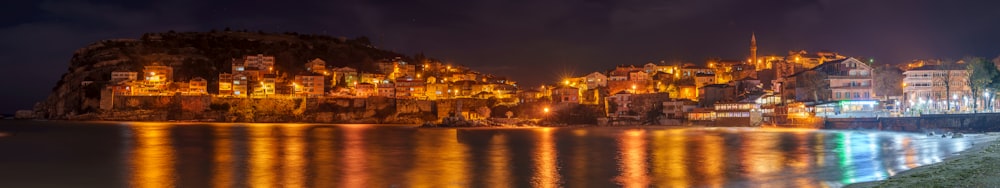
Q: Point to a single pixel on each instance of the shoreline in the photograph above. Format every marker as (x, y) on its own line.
(978, 166)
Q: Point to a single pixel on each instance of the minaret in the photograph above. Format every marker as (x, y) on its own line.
(753, 49)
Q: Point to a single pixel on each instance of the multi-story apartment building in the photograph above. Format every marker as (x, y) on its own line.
(225, 84)
(931, 86)
(197, 86)
(437, 90)
(409, 87)
(805, 60)
(846, 79)
(385, 90)
(566, 95)
(690, 71)
(365, 90)
(260, 62)
(589, 81)
(241, 85)
(317, 66)
(158, 74)
(265, 86)
(309, 85)
(118, 76)
(851, 80)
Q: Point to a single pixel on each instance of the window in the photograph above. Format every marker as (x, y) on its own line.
(866, 94)
(838, 96)
(856, 95)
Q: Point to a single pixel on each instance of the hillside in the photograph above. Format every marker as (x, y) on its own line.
(196, 54)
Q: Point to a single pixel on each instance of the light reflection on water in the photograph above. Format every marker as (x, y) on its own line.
(298, 155)
(152, 157)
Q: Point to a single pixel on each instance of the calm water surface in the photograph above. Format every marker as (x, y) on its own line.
(115, 154)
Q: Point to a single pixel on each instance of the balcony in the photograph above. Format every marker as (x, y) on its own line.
(851, 87)
(858, 77)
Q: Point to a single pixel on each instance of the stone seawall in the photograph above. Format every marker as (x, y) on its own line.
(981, 122)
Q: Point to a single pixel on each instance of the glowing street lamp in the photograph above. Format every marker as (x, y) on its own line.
(545, 110)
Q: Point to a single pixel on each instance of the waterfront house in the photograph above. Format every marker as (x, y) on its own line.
(929, 87)
(310, 85)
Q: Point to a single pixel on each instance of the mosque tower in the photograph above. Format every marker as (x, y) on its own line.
(753, 49)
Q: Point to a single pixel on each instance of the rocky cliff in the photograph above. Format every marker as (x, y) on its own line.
(195, 54)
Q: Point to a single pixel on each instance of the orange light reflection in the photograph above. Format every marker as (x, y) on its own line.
(153, 156)
(325, 158)
(669, 158)
(355, 159)
(633, 159)
(546, 170)
(293, 163)
(499, 162)
(222, 161)
(441, 161)
(761, 157)
(262, 156)
(714, 163)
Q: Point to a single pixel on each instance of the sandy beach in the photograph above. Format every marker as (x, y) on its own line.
(978, 166)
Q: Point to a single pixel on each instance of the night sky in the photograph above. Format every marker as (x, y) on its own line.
(532, 41)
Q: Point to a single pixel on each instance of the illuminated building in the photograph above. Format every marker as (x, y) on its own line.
(624, 77)
(317, 66)
(710, 94)
(197, 86)
(259, 62)
(364, 90)
(118, 76)
(729, 114)
(241, 85)
(435, 91)
(385, 90)
(623, 103)
(566, 95)
(704, 79)
(848, 79)
(690, 71)
(927, 83)
(409, 88)
(345, 77)
(677, 109)
(265, 86)
(309, 85)
(225, 84)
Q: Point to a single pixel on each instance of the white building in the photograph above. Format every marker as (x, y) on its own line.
(928, 88)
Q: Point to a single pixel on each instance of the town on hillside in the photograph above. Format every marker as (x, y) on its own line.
(793, 89)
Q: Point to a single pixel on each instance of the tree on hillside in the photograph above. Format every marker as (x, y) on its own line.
(813, 85)
(946, 78)
(981, 76)
(887, 81)
(578, 115)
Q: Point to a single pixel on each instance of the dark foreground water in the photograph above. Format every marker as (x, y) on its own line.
(115, 154)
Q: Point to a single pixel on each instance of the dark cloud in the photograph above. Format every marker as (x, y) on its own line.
(534, 41)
